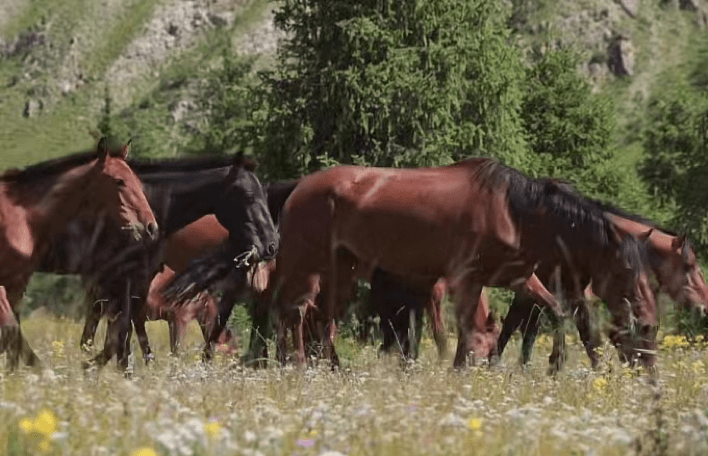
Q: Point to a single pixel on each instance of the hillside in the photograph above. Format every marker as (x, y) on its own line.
(55, 64)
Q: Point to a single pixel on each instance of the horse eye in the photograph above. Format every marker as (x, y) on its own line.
(120, 182)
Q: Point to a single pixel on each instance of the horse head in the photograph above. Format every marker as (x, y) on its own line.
(244, 211)
(115, 187)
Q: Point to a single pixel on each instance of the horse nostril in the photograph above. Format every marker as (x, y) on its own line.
(271, 249)
(152, 229)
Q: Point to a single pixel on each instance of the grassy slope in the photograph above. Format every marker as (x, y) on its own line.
(64, 124)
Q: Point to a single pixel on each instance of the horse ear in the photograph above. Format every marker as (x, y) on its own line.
(125, 150)
(102, 149)
(240, 161)
(645, 236)
(491, 319)
(615, 233)
(679, 242)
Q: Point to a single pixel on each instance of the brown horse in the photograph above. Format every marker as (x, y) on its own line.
(475, 223)
(203, 309)
(672, 261)
(42, 199)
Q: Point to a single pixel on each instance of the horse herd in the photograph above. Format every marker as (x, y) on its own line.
(155, 239)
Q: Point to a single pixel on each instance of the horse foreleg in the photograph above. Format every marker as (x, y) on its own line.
(517, 314)
(93, 317)
(225, 307)
(533, 287)
(139, 319)
(590, 338)
(529, 332)
(467, 301)
(260, 331)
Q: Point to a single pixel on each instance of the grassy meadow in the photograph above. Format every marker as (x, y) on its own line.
(179, 406)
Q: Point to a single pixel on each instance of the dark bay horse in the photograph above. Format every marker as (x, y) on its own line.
(400, 304)
(201, 236)
(252, 284)
(180, 192)
(41, 200)
(475, 223)
(672, 261)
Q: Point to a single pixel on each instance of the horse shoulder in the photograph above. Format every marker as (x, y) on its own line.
(16, 235)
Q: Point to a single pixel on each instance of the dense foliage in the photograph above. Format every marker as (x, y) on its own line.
(391, 84)
(677, 164)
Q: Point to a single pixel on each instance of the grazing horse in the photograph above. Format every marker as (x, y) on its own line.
(203, 309)
(41, 200)
(399, 303)
(476, 223)
(181, 192)
(671, 259)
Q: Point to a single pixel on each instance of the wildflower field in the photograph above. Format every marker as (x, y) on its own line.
(179, 406)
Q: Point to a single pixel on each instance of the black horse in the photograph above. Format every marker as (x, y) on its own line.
(179, 192)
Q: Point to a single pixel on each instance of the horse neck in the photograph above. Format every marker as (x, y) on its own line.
(182, 198)
(659, 244)
(53, 201)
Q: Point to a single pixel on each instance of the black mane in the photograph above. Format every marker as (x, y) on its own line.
(578, 219)
(185, 164)
(48, 168)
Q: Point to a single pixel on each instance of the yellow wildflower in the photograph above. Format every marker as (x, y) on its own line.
(599, 383)
(144, 452)
(26, 425)
(313, 433)
(671, 341)
(212, 428)
(44, 446)
(45, 423)
(475, 424)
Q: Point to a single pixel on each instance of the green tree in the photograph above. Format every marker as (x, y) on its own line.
(390, 84)
(569, 129)
(676, 142)
(230, 100)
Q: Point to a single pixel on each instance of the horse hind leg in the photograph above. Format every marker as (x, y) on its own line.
(11, 339)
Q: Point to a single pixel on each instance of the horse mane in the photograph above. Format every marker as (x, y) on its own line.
(579, 219)
(185, 164)
(47, 168)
